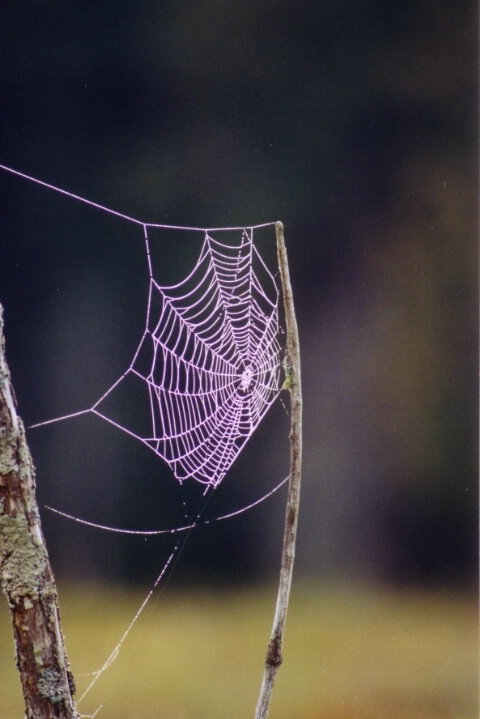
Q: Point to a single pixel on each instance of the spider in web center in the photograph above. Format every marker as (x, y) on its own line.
(246, 379)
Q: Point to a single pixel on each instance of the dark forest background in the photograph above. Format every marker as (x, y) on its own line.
(353, 123)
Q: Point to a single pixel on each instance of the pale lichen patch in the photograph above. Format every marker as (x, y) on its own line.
(23, 563)
(51, 685)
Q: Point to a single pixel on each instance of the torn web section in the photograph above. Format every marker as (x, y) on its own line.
(208, 361)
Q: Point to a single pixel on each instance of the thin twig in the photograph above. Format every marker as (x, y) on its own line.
(25, 573)
(294, 385)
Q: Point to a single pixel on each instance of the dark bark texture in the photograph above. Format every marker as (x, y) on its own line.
(25, 573)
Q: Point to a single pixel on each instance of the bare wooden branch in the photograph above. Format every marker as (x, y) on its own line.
(25, 573)
(294, 385)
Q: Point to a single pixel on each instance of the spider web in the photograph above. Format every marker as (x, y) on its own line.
(209, 358)
(209, 354)
(209, 364)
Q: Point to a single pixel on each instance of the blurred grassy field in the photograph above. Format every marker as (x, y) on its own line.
(349, 653)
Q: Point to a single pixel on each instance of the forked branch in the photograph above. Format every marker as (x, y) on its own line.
(294, 385)
(25, 573)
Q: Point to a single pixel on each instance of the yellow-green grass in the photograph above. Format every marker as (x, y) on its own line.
(350, 652)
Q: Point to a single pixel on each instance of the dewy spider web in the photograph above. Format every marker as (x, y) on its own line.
(209, 359)
(209, 354)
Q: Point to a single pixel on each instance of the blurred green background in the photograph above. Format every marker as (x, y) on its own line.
(356, 125)
(351, 652)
